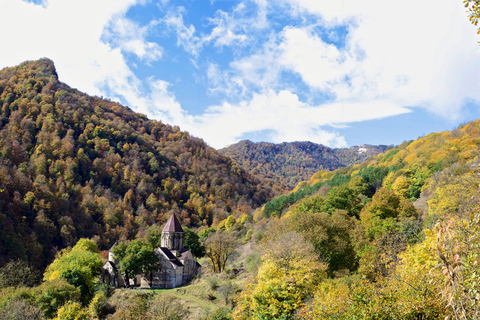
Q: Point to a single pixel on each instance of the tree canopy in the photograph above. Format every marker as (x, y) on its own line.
(135, 257)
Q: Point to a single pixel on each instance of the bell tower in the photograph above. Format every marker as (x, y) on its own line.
(172, 234)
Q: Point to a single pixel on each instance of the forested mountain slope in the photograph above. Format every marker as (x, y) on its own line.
(76, 166)
(407, 168)
(394, 237)
(289, 163)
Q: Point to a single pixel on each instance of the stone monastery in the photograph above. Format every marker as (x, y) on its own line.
(176, 264)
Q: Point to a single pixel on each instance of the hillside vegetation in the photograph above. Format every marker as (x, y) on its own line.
(289, 163)
(395, 237)
(75, 166)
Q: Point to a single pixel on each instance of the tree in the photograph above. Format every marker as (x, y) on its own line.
(154, 236)
(135, 257)
(192, 242)
(72, 311)
(385, 212)
(75, 278)
(18, 273)
(343, 198)
(219, 247)
(230, 222)
(457, 249)
(329, 234)
(79, 266)
(21, 309)
(166, 307)
(474, 11)
(289, 273)
(53, 294)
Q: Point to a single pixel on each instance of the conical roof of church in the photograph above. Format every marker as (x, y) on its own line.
(172, 225)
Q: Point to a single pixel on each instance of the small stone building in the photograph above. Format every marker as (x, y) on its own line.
(111, 271)
(176, 264)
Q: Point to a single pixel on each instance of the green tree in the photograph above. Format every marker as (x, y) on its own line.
(154, 236)
(343, 198)
(75, 278)
(136, 257)
(79, 265)
(192, 242)
(53, 294)
(385, 213)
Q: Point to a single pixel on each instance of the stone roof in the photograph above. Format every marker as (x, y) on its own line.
(170, 256)
(183, 254)
(172, 225)
(113, 247)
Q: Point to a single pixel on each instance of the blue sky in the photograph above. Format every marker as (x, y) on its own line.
(335, 72)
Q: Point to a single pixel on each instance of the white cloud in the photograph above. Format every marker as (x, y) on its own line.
(69, 32)
(423, 55)
(163, 105)
(235, 28)
(186, 37)
(130, 37)
(320, 65)
(286, 116)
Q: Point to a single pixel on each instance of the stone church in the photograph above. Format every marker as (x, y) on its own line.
(176, 264)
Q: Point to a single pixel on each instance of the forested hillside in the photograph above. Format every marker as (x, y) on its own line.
(395, 237)
(75, 166)
(289, 163)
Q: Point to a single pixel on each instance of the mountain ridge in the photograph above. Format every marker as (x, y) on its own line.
(288, 163)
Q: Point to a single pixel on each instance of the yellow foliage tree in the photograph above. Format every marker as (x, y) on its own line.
(288, 275)
(400, 186)
(72, 311)
(451, 192)
(410, 291)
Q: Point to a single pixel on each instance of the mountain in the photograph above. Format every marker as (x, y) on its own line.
(437, 171)
(74, 166)
(289, 163)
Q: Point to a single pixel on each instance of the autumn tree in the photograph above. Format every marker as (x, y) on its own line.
(219, 247)
(458, 247)
(21, 309)
(473, 11)
(18, 273)
(79, 266)
(385, 213)
(328, 233)
(288, 274)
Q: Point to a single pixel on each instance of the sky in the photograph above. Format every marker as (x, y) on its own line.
(335, 72)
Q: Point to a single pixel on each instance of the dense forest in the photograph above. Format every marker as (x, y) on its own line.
(74, 166)
(289, 163)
